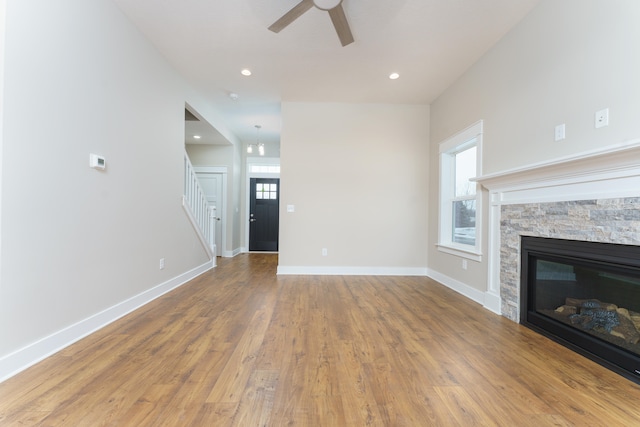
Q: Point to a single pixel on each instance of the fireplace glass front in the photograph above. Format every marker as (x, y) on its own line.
(585, 295)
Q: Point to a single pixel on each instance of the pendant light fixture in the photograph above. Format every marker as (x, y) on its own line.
(258, 144)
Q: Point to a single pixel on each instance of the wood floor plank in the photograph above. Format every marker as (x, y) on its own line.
(240, 346)
(461, 408)
(233, 379)
(215, 414)
(257, 402)
(144, 411)
(360, 404)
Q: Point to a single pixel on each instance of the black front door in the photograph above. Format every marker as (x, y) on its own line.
(264, 215)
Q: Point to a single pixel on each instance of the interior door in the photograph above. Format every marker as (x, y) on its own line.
(211, 184)
(264, 215)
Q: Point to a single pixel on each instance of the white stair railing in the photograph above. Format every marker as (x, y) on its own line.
(201, 215)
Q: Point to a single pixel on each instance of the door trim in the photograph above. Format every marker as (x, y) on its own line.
(247, 199)
(219, 170)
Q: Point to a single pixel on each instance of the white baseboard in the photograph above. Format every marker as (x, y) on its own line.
(352, 271)
(33, 353)
(231, 254)
(486, 299)
(493, 302)
(460, 287)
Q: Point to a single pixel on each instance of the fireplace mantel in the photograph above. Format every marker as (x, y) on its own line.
(610, 172)
(580, 176)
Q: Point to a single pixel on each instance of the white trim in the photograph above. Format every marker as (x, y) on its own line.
(471, 132)
(263, 160)
(351, 271)
(492, 302)
(493, 259)
(231, 254)
(210, 169)
(448, 149)
(33, 353)
(538, 169)
(461, 252)
(460, 287)
(600, 185)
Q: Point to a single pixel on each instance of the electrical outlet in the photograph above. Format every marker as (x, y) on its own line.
(161, 263)
(464, 264)
(602, 118)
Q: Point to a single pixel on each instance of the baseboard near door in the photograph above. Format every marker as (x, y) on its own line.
(33, 353)
(231, 254)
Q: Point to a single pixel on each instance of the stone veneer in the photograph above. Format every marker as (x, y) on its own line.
(605, 220)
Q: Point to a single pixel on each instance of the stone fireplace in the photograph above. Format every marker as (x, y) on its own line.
(592, 197)
(603, 220)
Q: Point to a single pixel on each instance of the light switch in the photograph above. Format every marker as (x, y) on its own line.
(291, 208)
(560, 132)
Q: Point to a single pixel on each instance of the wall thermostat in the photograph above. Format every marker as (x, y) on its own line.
(97, 162)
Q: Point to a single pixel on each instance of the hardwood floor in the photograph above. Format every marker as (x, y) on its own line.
(239, 346)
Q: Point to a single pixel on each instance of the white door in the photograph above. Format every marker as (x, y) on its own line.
(211, 184)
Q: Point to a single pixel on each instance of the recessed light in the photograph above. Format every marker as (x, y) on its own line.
(394, 76)
(196, 137)
(246, 72)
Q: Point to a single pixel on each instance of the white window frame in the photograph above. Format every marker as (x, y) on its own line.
(463, 140)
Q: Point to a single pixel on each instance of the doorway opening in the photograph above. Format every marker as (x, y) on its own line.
(213, 180)
(264, 214)
(259, 168)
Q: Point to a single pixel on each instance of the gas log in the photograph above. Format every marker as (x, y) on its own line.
(592, 314)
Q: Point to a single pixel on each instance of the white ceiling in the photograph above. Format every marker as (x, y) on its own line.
(429, 42)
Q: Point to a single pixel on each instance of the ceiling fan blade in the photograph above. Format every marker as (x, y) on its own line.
(291, 16)
(341, 25)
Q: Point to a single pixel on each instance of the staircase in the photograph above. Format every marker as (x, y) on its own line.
(201, 215)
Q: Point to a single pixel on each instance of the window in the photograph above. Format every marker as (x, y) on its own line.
(267, 191)
(265, 168)
(460, 202)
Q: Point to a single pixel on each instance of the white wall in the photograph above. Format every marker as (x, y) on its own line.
(210, 155)
(78, 78)
(357, 175)
(563, 62)
(3, 7)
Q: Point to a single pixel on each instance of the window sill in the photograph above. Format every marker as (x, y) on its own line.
(460, 251)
